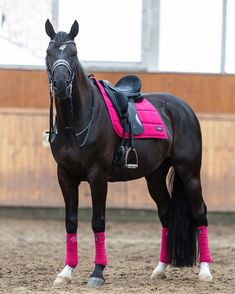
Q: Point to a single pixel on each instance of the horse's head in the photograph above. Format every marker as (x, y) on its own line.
(61, 59)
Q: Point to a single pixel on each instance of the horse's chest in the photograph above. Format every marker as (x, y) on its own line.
(69, 156)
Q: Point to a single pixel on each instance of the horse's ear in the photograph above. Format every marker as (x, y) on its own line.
(74, 30)
(49, 29)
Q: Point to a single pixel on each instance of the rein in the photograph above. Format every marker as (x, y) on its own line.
(72, 72)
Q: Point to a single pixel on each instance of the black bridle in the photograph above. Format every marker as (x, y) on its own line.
(72, 72)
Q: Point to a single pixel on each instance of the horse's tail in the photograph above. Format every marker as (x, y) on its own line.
(182, 243)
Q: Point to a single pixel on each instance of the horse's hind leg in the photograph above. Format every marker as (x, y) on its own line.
(158, 190)
(190, 177)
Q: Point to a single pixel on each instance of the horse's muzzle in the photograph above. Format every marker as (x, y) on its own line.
(61, 88)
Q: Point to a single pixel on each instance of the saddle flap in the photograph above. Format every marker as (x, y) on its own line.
(119, 100)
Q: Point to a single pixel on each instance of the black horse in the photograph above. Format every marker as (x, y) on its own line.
(83, 143)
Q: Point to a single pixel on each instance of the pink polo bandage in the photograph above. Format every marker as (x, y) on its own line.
(71, 250)
(203, 245)
(100, 251)
(164, 252)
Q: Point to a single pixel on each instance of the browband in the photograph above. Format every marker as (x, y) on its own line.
(63, 43)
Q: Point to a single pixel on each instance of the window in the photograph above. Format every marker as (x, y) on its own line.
(23, 40)
(110, 30)
(125, 35)
(190, 35)
(230, 38)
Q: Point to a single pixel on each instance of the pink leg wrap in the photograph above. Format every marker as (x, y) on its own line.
(71, 250)
(164, 254)
(100, 251)
(204, 250)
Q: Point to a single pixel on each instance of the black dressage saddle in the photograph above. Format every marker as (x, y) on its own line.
(129, 85)
(124, 95)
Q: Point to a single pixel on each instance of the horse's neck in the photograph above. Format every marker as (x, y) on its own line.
(82, 100)
(82, 96)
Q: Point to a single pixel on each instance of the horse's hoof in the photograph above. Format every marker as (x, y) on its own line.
(204, 274)
(205, 277)
(158, 275)
(95, 282)
(61, 281)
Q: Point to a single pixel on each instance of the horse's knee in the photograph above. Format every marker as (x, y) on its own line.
(98, 224)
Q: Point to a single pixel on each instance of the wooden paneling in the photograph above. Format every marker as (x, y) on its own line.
(23, 88)
(28, 171)
(218, 172)
(205, 93)
(23, 160)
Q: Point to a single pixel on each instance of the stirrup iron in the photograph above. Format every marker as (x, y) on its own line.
(131, 158)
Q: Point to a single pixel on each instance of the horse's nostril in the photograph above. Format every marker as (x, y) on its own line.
(54, 84)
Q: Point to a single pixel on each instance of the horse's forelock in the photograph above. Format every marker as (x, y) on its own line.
(61, 37)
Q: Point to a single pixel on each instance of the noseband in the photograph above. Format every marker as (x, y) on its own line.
(61, 62)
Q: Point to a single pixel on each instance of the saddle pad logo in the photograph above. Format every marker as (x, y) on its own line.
(74, 239)
(159, 128)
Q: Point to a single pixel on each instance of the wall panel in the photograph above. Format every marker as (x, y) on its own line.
(204, 93)
(28, 171)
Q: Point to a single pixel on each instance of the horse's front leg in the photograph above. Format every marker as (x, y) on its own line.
(69, 188)
(98, 184)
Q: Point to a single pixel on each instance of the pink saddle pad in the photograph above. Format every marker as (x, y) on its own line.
(153, 124)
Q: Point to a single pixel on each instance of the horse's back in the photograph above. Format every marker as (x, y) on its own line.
(174, 107)
(169, 101)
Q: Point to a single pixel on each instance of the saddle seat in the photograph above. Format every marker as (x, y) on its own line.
(129, 85)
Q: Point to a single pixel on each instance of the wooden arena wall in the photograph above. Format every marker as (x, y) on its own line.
(28, 171)
(205, 93)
